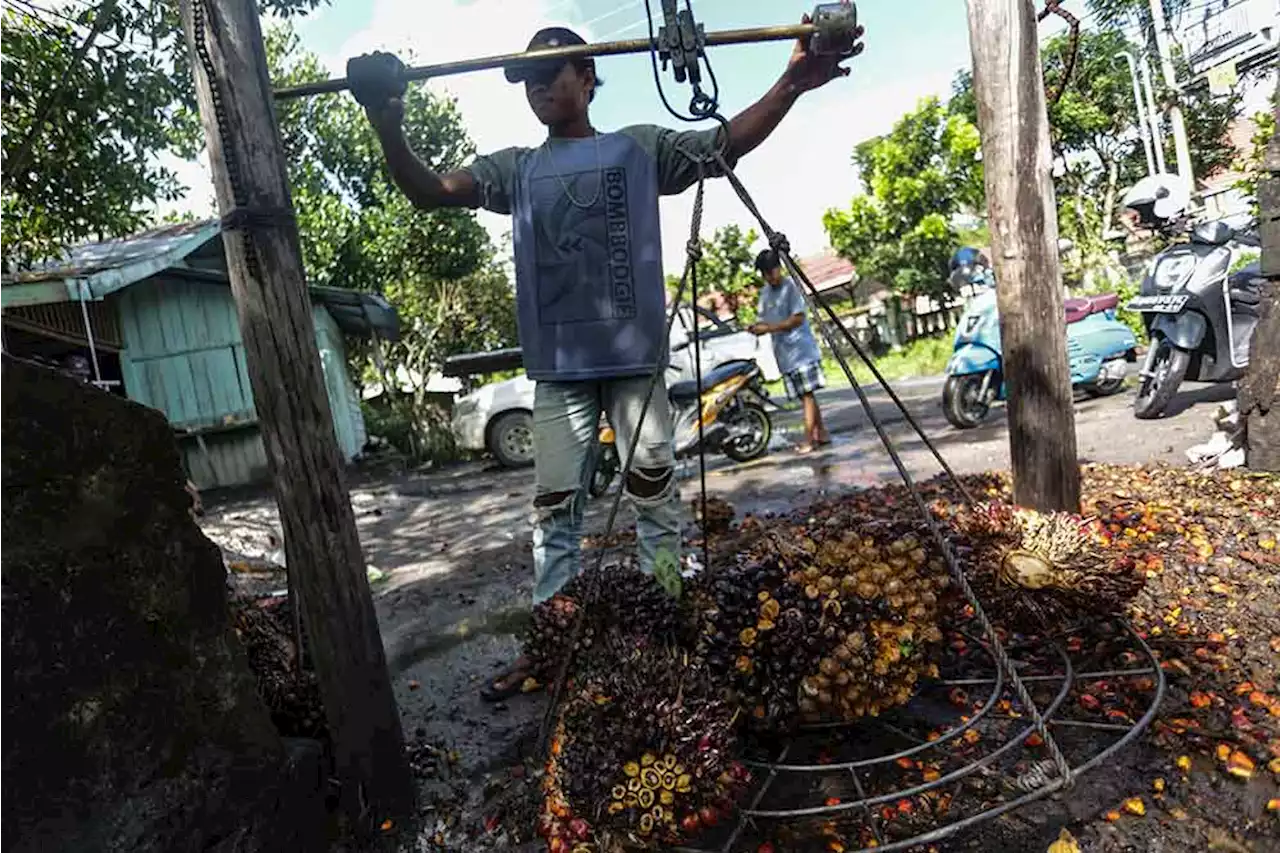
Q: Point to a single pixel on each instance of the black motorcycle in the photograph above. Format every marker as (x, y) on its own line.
(1199, 315)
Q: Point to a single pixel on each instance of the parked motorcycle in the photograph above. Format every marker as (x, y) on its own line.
(1099, 347)
(1200, 316)
(733, 412)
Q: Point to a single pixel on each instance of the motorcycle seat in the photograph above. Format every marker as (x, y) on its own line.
(688, 389)
(1079, 308)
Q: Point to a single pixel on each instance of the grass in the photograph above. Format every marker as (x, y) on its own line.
(923, 357)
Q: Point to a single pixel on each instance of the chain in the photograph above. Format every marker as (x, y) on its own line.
(693, 253)
(242, 216)
(1052, 7)
(546, 149)
(778, 242)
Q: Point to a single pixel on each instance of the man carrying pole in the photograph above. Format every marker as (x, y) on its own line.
(589, 278)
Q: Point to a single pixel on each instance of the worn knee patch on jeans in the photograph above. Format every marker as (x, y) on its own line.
(551, 502)
(650, 485)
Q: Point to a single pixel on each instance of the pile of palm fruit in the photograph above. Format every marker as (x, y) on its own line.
(829, 614)
(825, 617)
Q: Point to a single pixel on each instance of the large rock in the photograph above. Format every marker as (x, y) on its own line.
(130, 716)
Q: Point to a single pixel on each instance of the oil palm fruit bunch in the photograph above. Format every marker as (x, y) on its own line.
(884, 573)
(826, 615)
(627, 604)
(643, 748)
(1034, 569)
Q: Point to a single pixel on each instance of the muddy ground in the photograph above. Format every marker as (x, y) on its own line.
(453, 550)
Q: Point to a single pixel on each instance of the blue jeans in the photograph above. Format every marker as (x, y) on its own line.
(566, 423)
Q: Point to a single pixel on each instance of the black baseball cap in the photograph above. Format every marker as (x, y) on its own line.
(519, 72)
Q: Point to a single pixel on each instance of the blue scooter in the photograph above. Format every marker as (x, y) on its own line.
(1099, 347)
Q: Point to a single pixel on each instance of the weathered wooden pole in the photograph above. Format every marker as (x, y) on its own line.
(321, 545)
(1260, 389)
(1009, 89)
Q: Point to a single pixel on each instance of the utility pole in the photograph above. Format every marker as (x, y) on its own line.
(264, 260)
(1181, 148)
(1144, 126)
(1153, 117)
(1009, 88)
(1260, 389)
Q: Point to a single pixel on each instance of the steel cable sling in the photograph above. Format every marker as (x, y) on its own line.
(703, 106)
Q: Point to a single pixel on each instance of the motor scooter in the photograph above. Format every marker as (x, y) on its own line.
(1099, 347)
(1199, 314)
(732, 409)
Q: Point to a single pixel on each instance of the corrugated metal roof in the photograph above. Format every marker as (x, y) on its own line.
(93, 270)
(828, 270)
(170, 244)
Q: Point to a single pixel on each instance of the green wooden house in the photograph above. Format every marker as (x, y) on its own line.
(151, 317)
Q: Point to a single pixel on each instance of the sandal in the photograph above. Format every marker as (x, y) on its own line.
(510, 682)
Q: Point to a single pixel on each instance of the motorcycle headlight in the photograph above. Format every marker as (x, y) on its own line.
(1171, 273)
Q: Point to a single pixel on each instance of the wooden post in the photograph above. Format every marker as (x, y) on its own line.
(1260, 388)
(321, 545)
(1009, 89)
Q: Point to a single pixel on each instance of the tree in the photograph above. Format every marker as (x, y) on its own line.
(1260, 388)
(70, 72)
(359, 231)
(727, 266)
(1252, 164)
(916, 179)
(1113, 14)
(1094, 132)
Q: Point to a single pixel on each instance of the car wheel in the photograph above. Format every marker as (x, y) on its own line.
(511, 439)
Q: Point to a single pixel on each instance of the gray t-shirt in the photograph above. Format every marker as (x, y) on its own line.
(796, 347)
(588, 245)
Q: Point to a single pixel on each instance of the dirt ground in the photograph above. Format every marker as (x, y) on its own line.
(453, 551)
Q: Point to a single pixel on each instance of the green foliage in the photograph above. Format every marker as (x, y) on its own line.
(77, 182)
(90, 170)
(1094, 131)
(728, 265)
(916, 179)
(1243, 260)
(1264, 130)
(359, 231)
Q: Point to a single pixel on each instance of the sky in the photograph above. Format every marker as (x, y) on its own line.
(803, 169)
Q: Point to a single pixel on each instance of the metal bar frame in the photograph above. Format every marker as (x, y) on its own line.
(1068, 678)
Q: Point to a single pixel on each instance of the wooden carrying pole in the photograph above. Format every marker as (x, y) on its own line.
(1009, 88)
(321, 545)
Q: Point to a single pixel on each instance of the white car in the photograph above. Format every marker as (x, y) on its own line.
(498, 418)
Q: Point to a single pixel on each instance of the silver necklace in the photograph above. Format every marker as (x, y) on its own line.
(564, 185)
